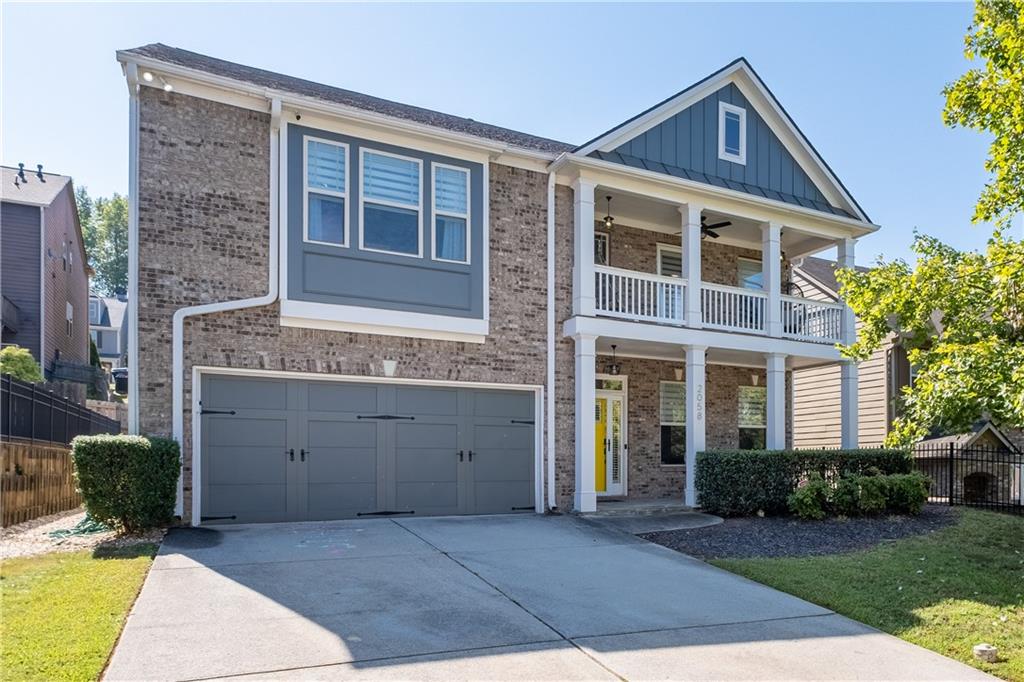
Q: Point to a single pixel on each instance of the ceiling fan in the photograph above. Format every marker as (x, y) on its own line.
(709, 230)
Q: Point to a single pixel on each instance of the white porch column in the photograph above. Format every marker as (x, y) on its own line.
(690, 238)
(771, 275)
(775, 370)
(695, 429)
(849, 408)
(585, 497)
(583, 251)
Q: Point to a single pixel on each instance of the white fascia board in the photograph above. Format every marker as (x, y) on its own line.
(685, 336)
(382, 322)
(682, 190)
(258, 98)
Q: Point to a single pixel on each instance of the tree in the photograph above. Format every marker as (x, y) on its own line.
(85, 219)
(110, 255)
(19, 363)
(991, 99)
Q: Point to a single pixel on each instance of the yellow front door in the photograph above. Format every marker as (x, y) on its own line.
(600, 434)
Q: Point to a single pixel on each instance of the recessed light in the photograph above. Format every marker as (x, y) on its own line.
(147, 76)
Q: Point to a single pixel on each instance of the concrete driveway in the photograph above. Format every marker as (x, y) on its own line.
(514, 597)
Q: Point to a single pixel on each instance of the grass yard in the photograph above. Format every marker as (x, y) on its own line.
(945, 591)
(62, 612)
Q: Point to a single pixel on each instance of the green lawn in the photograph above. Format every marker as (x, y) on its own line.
(62, 612)
(946, 591)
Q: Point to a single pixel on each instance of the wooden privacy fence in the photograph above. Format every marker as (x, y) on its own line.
(36, 479)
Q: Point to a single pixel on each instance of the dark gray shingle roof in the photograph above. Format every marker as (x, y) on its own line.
(327, 93)
(823, 271)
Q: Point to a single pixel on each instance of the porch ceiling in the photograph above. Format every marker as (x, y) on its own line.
(674, 353)
(633, 210)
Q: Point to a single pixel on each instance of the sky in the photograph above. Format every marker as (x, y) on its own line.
(863, 81)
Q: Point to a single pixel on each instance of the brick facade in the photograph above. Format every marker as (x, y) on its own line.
(204, 227)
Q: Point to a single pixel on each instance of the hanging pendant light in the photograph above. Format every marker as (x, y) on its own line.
(609, 221)
(614, 367)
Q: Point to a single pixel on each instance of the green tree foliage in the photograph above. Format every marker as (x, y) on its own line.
(106, 241)
(960, 315)
(85, 219)
(19, 363)
(991, 98)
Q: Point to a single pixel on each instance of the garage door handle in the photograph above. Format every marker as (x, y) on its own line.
(291, 454)
(302, 455)
(470, 455)
(460, 455)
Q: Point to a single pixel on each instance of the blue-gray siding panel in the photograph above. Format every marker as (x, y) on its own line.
(353, 276)
(687, 144)
(19, 248)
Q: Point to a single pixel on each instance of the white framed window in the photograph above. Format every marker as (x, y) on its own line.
(602, 256)
(749, 274)
(94, 311)
(672, 411)
(325, 191)
(732, 133)
(670, 260)
(390, 210)
(70, 315)
(753, 417)
(451, 241)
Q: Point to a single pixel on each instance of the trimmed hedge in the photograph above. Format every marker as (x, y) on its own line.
(745, 482)
(128, 482)
(860, 495)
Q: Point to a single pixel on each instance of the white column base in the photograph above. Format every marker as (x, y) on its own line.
(584, 502)
(585, 496)
(775, 371)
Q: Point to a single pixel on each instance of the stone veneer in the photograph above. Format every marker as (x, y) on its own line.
(203, 237)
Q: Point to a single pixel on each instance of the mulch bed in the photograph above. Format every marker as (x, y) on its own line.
(786, 536)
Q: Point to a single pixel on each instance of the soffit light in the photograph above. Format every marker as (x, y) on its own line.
(609, 221)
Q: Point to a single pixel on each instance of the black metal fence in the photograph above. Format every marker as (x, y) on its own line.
(30, 413)
(975, 475)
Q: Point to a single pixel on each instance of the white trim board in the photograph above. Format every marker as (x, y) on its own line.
(199, 370)
(358, 319)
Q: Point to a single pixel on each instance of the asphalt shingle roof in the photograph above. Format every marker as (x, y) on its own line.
(327, 93)
(31, 190)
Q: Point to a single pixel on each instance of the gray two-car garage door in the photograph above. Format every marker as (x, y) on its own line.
(292, 450)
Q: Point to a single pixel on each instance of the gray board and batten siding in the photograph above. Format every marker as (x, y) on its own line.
(295, 450)
(20, 272)
(348, 275)
(686, 145)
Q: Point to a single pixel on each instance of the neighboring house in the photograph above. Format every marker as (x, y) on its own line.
(108, 327)
(348, 306)
(45, 275)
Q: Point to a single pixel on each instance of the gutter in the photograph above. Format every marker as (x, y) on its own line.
(178, 322)
(552, 502)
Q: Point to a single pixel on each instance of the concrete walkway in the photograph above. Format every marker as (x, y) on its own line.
(514, 597)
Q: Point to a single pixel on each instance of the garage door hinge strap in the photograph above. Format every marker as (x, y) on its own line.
(384, 513)
(522, 421)
(382, 416)
(216, 412)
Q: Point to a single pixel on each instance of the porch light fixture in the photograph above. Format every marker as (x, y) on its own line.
(614, 367)
(167, 86)
(679, 373)
(754, 377)
(609, 221)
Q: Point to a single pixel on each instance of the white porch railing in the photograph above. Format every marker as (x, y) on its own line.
(733, 309)
(810, 320)
(638, 296)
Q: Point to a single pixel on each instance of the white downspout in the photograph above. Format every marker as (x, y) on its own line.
(552, 500)
(178, 324)
(132, 74)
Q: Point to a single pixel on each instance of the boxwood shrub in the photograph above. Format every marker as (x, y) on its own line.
(127, 482)
(745, 482)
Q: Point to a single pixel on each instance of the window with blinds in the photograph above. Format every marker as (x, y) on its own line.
(326, 192)
(670, 261)
(451, 213)
(390, 202)
(673, 422)
(753, 417)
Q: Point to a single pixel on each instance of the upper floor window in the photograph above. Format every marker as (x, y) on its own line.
(732, 133)
(94, 311)
(390, 203)
(670, 260)
(70, 318)
(451, 213)
(601, 255)
(749, 274)
(326, 192)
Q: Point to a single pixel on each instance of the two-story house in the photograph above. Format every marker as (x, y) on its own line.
(108, 327)
(345, 306)
(44, 278)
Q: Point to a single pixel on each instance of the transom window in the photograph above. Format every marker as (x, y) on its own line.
(451, 213)
(753, 417)
(673, 422)
(390, 201)
(326, 192)
(732, 133)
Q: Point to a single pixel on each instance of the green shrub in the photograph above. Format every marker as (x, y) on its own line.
(128, 482)
(874, 491)
(810, 501)
(744, 482)
(908, 492)
(19, 363)
(845, 497)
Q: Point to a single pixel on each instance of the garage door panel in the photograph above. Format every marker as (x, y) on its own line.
(246, 432)
(426, 435)
(502, 497)
(350, 434)
(502, 404)
(248, 503)
(338, 397)
(342, 465)
(427, 497)
(246, 465)
(502, 437)
(243, 393)
(341, 500)
(427, 401)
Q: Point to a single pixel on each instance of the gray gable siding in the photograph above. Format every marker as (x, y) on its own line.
(686, 145)
(349, 275)
(20, 272)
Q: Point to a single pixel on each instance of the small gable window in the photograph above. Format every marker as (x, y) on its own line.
(732, 133)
